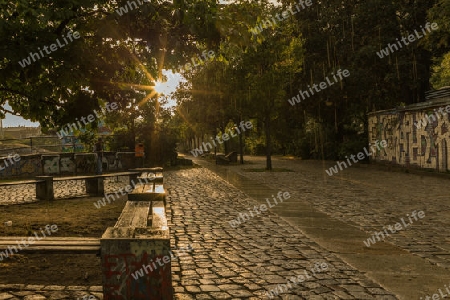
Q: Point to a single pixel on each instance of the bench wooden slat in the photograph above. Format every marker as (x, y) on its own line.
(48, 243)
(147, 192)
(159, 219)
(51, 238)
(20, 182)
(140, 218)
(52, 244)
(138, 189)
(126, 216)
(157, 169)
(154, 188)
(74, 178)
(119, 174)
(134, 214)
(58, 249)
(153, 177)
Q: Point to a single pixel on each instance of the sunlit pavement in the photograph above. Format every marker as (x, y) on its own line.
(342, 211)
(326, 220)
(247, 261)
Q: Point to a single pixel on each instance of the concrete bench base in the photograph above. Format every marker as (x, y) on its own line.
(136, 254)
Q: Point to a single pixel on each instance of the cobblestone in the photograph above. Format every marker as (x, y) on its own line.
(247, 261)
(234, 263)
(370, 199)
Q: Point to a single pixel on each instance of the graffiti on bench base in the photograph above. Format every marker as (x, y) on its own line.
(121, 285)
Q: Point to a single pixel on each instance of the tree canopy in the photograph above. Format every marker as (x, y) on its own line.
(265, 55)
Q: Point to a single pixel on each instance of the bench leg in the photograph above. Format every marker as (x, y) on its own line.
(44, 189)
(134, 180)
(95, 186)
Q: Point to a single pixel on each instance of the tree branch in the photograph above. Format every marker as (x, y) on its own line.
(63, 24)
(14, 92)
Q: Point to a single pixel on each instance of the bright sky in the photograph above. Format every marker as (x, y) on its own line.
(165, 88)
(168, 87)
(14, 121)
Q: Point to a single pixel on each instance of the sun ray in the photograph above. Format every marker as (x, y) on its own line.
(202, 92)
(184, 118)
(148, 97)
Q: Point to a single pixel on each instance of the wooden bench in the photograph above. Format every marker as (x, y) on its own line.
(226, 159)
(130, 251)
(43, 189)
(150, 187)
(50, 244)
(140, 238)
(94, 183)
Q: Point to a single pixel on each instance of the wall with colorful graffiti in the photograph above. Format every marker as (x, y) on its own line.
(67, 164)
(417, 135)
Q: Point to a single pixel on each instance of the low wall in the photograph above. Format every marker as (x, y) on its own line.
(67, 164)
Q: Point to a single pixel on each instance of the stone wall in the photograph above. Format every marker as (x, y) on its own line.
(67, 164)
(417, 135)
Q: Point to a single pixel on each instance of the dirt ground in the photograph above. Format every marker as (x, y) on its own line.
(75, 218)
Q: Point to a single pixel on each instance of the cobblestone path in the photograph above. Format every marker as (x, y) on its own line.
(264, 254)
(247, 261)
(370, 199)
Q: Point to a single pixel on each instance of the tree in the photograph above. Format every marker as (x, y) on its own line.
(55, 88)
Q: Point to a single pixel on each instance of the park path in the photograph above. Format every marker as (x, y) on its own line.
(255, 257)
(265, 251)
(340, 212)
(263, 254)
(370, 198)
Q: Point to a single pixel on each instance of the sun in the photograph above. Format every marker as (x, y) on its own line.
(161, 87)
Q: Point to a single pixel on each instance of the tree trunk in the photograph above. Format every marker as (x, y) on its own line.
(268, 143)
(225, 147)
(241, 149)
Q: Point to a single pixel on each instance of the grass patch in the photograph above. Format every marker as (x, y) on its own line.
(264, 170)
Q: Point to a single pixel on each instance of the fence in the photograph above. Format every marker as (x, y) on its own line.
(52, 144)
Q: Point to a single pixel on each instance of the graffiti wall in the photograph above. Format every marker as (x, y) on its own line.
(50, 164)
(29, 167)
(66, 164)
(417, 135)
(85, 163)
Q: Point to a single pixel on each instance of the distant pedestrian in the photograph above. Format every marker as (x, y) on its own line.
(98, 148)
